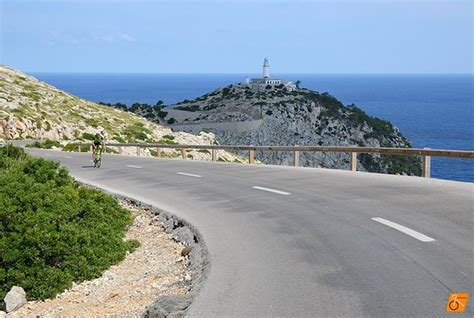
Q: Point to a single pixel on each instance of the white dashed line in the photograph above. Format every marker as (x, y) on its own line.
(189, 174)
(132, 166)
(271, 190)
(419, 236)
(68, 157)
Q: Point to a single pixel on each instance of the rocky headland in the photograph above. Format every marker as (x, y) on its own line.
(242, 114)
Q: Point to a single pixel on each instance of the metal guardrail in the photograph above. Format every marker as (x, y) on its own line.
(425, 153)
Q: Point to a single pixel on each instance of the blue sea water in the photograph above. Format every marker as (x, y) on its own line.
(435, 111)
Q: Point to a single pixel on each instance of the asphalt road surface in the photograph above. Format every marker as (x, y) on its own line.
(303, 242)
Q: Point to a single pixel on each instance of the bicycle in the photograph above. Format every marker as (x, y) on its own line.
(454, 304)
(97, 158)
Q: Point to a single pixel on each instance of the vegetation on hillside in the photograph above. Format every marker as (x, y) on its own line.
(45, 144)
(146, 110)
(52, 230)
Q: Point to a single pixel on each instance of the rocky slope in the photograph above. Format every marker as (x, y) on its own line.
(31, 109)
(272, 115)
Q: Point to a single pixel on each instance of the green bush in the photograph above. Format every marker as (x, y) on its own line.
(88, 136)
(162, 114)
(75, 148)
(46, 144)
(191, 108)
(136, 132)
(52, 230)
(170, 137)
(167, 141)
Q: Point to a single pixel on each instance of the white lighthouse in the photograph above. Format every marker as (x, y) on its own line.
(266, 68)
(266, 81)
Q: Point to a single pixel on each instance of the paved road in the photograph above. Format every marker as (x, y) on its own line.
(300, 242)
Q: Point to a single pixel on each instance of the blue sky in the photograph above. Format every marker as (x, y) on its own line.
(206, 36)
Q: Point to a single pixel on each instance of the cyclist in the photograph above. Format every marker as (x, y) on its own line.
(98, 146)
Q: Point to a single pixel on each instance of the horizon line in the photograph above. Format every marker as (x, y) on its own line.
(237, 73)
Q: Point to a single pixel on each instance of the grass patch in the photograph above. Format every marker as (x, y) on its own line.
(91, 122)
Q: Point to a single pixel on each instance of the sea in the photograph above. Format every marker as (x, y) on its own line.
(434, 111)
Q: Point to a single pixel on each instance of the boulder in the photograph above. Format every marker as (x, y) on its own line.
(168, 306)
(3, 314)
(15, 298)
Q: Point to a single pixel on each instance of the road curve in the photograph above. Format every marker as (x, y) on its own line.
(302, 242)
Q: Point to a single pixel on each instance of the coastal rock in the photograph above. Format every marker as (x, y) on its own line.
(240, 114)
(15, 298)
(168, 306)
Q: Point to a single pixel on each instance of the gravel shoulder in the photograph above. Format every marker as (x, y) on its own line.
(156, 268)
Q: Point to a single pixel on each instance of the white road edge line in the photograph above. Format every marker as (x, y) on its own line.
(271, 190)
(419, 236)
(189, 174)
(132, 166)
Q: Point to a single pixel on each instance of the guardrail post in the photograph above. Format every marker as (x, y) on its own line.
(120, 150)
(353, 161)
(426, 172)
(158, 152)
(251, 156)
(80, 147)
(213, 154)
(183, 153)
(138, 151)
(296, 158)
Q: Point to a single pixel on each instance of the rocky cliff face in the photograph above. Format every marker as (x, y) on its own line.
(31, 109)
(245, 115)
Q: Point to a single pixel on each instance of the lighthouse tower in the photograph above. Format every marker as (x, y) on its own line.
(266, 68)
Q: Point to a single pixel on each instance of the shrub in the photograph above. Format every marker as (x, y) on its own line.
(171, 121)
(167, 141)
(225, 91)
(136, 131)
(118, 138)
(162, 114)
(191, 108)
(75, 148)
(46, 144)
(52, 230)
(88, 136)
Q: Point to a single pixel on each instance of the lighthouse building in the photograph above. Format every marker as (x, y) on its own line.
(267, 80)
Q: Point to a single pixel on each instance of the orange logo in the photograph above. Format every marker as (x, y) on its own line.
(457, 302)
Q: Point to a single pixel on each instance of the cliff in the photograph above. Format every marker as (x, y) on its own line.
(272, 115)
(31, 109)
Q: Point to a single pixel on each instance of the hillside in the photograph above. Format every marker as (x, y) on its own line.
(273, 115)
(31, 109)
